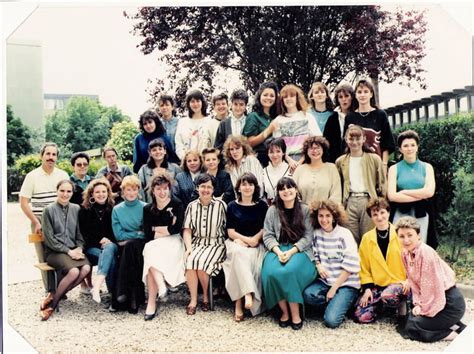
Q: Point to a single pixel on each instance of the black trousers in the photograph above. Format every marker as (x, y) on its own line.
(432, 329)
(129, 275)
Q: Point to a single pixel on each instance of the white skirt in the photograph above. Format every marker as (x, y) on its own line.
(242, 269)
(165, 254)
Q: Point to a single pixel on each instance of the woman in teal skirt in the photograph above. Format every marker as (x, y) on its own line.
(288, 266)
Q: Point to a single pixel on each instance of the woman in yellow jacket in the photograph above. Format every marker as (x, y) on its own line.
(382, 274)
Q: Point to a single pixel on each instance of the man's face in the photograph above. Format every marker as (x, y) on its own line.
(50, 156)
(221, 108)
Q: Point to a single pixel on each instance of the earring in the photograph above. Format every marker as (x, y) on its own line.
(91, 200)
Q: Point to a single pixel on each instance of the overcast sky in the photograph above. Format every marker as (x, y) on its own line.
(90, 50)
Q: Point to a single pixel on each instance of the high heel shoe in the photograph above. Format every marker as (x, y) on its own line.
(150, 317)
(46, 301)
(46, 313)
(96, 295)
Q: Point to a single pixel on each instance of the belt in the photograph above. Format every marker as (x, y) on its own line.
(361, 194)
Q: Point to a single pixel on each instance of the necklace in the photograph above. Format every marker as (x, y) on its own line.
(382, 235)
(364, 114)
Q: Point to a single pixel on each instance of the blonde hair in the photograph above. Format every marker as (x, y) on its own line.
(291, 90)
(130, 181)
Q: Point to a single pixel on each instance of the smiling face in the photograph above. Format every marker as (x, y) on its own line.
(276, 155)
(355, 142)
(238, 107)
(130, 193)
(64, 193)
(236, 152)
(80, 167)
(211, 162)
(161, 192)
(363, 95)
(246, 189)
(409, 238)
(221, 108)
(100, 194)
(326, 220)
(267, 98)
(315, 152)
(166, 109)
(149, 125)
(158, 153)
(287, 194)
(196, 105)
(290, 102)
(50, 156)
(409, 148)
(380, 218)
(193, 163)
(345, 100)
(205, 191)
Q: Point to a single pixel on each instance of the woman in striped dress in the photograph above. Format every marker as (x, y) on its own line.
(203, 233)
(337, 261)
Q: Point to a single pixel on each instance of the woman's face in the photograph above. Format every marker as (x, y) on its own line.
(380, 218)
(193, 163)
(287, 194)
(236, 152)
(64, 193)
(345, 100)
(205, 191)
(211, 162)
(325, 219)
(319, 95)
(195, 105)
(409, 147)
(246, 189)
(267, 98)
(166, 109)
(276, 155)
(130, 193)
(149, 125)
(158, 153)
(363, 95)
(408, 238)
(162, 191)
(100, 194)
(355, 143)
(290, 102)
(315, 152)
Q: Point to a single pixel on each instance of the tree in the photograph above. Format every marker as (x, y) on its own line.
(121, 138)
(84, 124)
(18, 137)
(291, 44)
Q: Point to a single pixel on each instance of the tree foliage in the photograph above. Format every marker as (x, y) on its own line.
(287, 44)
(121, 138)
(85, 124)
(18, 137)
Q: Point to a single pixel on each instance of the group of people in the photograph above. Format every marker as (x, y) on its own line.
(289, 202)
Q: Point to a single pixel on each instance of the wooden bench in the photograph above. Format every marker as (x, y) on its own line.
(38, 239)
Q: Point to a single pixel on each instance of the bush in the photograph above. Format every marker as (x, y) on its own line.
(121, 139)
(27, 163)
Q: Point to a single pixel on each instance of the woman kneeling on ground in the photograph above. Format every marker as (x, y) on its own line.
(245, 251)
(63, 246)
(382, 274)
(163, 252)
(337, 262)
(288, 266)
(438, 304)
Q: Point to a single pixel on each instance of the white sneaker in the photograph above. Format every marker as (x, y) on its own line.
(96, 295)
(164, 297)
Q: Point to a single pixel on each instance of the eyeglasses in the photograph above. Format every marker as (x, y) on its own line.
(315, 147)
(82, 164)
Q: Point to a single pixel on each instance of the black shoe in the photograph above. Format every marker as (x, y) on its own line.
(284, 324)
(150, 317)
(122, 298)
(133, 310)
(297, 326)
(461, 327)
(401, 330)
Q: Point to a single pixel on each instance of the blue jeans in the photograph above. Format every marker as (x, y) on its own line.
(105, 260)
(336, 309)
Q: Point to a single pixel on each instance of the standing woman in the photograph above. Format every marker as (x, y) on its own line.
(195, 132)
(203, 234)
(276, 169)
(344, 98)
(322, 109)
(362, 177)
(373, 120)
(63, 246)
(157, 164)
(163, 252)
(411, 183)
(211, 162)
(151, 128)
(293, 124)
(288, 266)
(438, 304)
(337, 262)
(317, 179)
(245, 251)
(168, 118)
(191, 166)
(95, 222)
(264, 110)
(240, 159)
(127, 223)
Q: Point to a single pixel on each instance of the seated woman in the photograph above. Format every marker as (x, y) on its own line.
(191, 166)
(288, 266)
(63, 246)
(337, 261)
(244, 248)
(95, 222)
(276, 169)
(438, 303)
(163, 252)
(203, 233)
(156, 163)
(382, 274)
(127, 223)
(240, 158)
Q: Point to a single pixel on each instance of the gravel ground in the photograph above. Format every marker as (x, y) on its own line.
(84, 326)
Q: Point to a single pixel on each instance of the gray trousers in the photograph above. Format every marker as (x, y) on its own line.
(359, 222)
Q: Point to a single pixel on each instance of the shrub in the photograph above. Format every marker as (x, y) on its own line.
(27, 163)
(121, 138)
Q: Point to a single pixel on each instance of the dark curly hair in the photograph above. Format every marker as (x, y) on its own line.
(315, 140)
(197, 95)
(337, 211)
(257, 106)
(151, 115)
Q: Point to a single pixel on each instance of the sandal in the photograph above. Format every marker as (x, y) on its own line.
(239, 318)
(205, 306)
(46, 301)
(190, 310)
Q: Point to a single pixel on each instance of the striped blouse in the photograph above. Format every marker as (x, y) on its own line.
(337, 251)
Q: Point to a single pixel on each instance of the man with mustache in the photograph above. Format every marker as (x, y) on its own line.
(39, 188)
